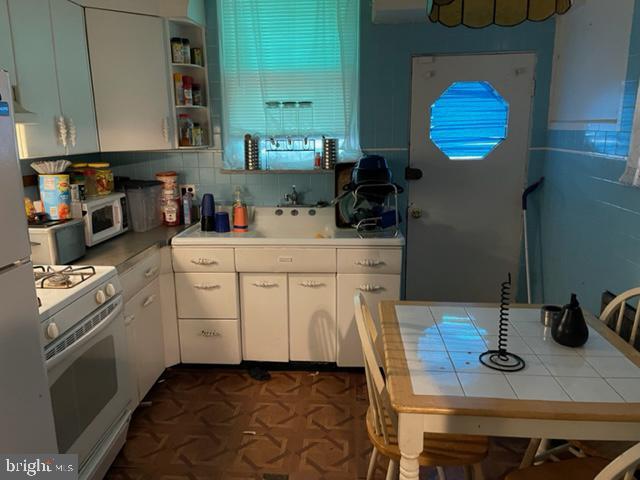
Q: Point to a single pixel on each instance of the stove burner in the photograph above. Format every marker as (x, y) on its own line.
(66, 277)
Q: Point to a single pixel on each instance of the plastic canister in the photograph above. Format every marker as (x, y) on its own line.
(55, 195)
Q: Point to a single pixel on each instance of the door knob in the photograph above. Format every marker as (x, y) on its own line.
(415, 212)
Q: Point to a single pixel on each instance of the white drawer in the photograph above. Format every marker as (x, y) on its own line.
(207, 295)
(369, 260)
(319, 260)
(140, 275)
(199, 259)
(210, 341)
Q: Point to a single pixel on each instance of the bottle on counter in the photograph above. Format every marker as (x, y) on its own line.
(171, 214)
(187, 206)
(240, 217)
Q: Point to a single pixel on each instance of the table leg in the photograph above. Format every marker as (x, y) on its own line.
(411, 443)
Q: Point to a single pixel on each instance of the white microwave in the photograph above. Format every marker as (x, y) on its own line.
(104, 217)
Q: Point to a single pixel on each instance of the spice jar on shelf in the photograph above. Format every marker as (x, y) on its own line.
(196, 94)
(177, 83)
(177, 54)
(197, 58)
(185, 125)
(197, 135)
(187, 89)
(186, 50)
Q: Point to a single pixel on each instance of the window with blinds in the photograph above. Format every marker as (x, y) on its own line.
(289, 72)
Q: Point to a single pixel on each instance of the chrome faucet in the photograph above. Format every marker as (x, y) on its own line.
(293, 197)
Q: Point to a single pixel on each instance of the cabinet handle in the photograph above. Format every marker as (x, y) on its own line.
(151, 272)
(206, 286)
(150, 299)
(128, 319)
(368, 262)
(210, 333)
(72, 132)
(311, 284)
(265, 284)
(368, 287)
(165, 129)
(61, 131)
(204, 261)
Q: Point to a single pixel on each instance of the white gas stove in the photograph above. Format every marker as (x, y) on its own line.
(67, 294)
(85, 349)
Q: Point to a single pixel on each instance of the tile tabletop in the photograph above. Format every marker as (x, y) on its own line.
(441, 345)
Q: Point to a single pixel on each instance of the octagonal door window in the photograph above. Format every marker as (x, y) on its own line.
(469, 120)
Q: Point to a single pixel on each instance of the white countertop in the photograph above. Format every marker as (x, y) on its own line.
(303, 226)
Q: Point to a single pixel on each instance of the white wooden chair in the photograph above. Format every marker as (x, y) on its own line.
(585, 468)
(382, 421)
(538, 451)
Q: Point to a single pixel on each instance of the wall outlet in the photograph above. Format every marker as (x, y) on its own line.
(189, 187)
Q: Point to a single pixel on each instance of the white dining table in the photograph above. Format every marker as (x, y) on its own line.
(437, 383)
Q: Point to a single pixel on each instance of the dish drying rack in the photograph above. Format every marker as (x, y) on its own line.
(368, 226)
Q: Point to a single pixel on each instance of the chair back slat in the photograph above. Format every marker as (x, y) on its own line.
(619, 304)
(622, 466)
(381, 402)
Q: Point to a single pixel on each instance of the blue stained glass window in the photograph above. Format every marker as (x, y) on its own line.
(469, 120)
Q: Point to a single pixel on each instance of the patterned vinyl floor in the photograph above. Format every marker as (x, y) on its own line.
(219, 424)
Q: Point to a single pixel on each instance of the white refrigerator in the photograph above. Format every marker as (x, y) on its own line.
(25, 407)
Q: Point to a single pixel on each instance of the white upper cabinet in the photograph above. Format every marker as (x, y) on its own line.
(130, 81)
(74, 75)
(43, 46)
(192, 10)
(590, 65)
(36, 83)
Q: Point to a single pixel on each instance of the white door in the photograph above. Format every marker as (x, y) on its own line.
(265, 319)
(470, 117)
(130, 80)
(312, 317)
(74, 76)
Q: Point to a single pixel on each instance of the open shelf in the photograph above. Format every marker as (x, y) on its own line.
(187, 65)
(237, 171)
(193, 107)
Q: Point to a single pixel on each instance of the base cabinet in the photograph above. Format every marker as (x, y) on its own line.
(143, 319)
(265, 319)
(312, 317)
(210, 341)
(374, 287)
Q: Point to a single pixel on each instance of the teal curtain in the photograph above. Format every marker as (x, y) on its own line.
(283, 50)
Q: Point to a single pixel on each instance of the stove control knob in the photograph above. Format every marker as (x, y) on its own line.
(110, 290)
(100, 297)
(52, 331)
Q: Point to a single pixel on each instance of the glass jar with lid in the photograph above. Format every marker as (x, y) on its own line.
(290, 118)
(273, 114)
(305, 122)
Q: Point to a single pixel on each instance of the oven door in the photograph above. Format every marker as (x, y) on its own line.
(88, 379)
(103, 221)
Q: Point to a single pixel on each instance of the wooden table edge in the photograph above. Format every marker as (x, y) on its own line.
(404, 400)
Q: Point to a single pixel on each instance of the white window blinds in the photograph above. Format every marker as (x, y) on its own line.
(289, 51)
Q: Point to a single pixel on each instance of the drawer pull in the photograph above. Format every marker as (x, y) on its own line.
(150, 299)
(151, 272)
(210, 333)
(206, 286)
(128, 319)
(311, 284)
(368, 262)
(265, 284)
(368, 287)
(204, 261)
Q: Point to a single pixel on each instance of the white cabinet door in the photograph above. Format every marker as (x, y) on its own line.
(37, 86)
(149, 342)
(129, 318)
(312, 317)
(74, 76)
(265, 331)
(130, 80)
(374, 288)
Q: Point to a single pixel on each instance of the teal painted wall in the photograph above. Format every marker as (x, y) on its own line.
(385, 54)
(590, 223)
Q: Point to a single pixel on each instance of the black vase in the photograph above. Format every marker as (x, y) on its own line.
(571, 330)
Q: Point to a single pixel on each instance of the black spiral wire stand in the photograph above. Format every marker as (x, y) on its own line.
(501, 359)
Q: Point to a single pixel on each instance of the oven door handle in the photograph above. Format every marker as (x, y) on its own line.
(51, 363)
